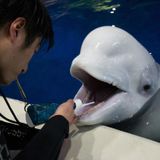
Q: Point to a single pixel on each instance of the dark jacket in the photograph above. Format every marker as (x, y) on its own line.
(46, 144)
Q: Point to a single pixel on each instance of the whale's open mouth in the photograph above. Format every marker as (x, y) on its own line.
(95, 90)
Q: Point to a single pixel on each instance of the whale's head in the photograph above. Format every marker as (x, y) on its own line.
(117, 73)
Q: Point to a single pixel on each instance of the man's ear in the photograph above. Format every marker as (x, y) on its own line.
(16, 28)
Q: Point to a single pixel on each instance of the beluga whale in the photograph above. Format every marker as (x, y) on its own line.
(122, 78)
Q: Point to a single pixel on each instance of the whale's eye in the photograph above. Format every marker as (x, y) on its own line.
(146, 87)
(148, 80)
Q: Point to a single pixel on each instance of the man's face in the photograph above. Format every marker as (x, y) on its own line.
(17, 63)
(14, 58)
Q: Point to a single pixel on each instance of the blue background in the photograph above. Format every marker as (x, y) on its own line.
(48, 78)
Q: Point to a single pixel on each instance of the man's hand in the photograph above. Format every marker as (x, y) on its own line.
(67, 111)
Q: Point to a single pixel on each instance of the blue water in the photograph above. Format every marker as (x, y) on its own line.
(48, 78)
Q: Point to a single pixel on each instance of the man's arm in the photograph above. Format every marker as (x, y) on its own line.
(47, 143)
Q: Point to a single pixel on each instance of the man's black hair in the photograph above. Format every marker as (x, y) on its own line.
(38, 22)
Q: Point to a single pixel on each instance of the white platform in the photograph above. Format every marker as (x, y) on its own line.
(101, 143)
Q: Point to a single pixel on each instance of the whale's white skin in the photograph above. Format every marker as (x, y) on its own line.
(110, 56)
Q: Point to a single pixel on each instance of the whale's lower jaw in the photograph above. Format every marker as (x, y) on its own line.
(104, 112)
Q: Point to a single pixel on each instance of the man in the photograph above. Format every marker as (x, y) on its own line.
(23, 25)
